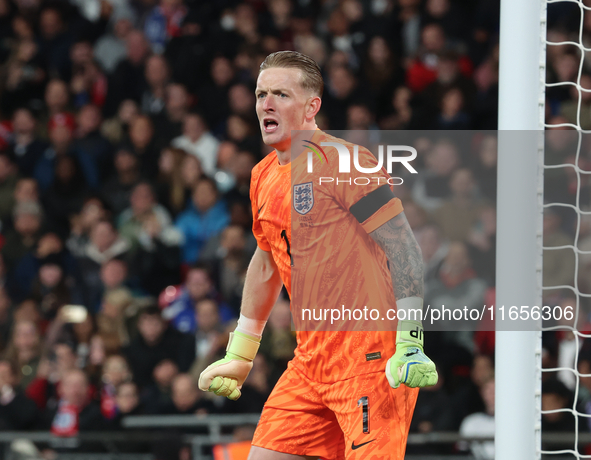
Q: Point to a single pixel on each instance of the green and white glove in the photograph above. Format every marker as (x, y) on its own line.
(226, 376)
(410, 365)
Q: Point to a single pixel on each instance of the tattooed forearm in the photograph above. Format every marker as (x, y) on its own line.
(395, 237)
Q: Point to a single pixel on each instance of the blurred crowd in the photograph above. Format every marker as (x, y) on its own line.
(127, 137)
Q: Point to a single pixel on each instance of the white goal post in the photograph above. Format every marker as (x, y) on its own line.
(519, 225)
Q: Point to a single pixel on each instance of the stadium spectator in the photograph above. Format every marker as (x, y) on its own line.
(115, 372)
(117, 189)
(434, 249)
(91, 143)
(431, 188)
(74, 411)
(381, 71)
(188, 52)
(206, 216)
(341, 91)
(179, 303)
(433, 413)
(49, 288)
(556, 396)
(559, 264)
(242, 101)
(127, 80)
(255, 390)
(170, 188)
(486, 78)
(25, 71)
(93, 210)
(213, 97)
(482, 424)
(24, 351)
(55, 42)
(116, 309)
(585, 259)
(482, 244)
(61, 134)
(278, 341)
(8, 180)
(584, 369)
(157, 341)
(228, 256)
(26, 190)
(469, 392)
(170, 120)
(136, 223)
(209, 331)
(57, 100)
(127, 402)
(191, 174)
(17, 412)
(116, 128)
(44, 388)
(452, 114)
(65, 196)
(164, 22)
(560, 142)
(240, 130)
(187, 399)
(26, 146)
(144, 145)
(157, 396)
(485, 168)
(21, 241)
(110, 48)
(88, 84)
(104, 244)
(448, 77)
(360, 117)
(240, 169)
(198, 141)
(570, 109)
(455, 287)
(567, 344)
(457, 216)
(49, 245)
(6, 308)
(157, 76)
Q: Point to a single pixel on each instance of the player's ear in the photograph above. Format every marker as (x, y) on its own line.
(313, 106)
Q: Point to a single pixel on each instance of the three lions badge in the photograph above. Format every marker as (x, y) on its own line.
(303, 198)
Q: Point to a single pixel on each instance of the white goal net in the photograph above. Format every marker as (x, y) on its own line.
(565, 363)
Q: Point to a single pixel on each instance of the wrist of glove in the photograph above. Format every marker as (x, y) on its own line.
(226, 376)
(410, 365)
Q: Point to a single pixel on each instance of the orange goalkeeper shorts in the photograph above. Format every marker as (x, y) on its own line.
(358, 418)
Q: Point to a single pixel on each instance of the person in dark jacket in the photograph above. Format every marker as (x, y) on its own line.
(75, 411)
(17, 412)
(186, 398)
(155, 342)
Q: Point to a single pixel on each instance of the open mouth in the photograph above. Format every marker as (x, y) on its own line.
(269, 125)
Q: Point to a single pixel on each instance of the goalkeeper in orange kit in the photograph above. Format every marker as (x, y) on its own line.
(346, 394)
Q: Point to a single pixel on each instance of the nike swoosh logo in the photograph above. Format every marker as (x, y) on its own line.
(411, 353)
(355, 447)
(259, 211)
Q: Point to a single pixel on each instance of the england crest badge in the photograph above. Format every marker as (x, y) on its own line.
(303, 198)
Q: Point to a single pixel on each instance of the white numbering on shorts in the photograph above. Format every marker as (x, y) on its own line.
(364, 403)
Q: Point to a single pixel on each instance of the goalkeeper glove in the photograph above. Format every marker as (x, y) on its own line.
(410, 365)
(226, 376)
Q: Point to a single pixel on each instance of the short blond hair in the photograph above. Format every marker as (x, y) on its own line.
(311, 74)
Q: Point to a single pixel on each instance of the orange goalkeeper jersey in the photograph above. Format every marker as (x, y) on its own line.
(331, 262)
